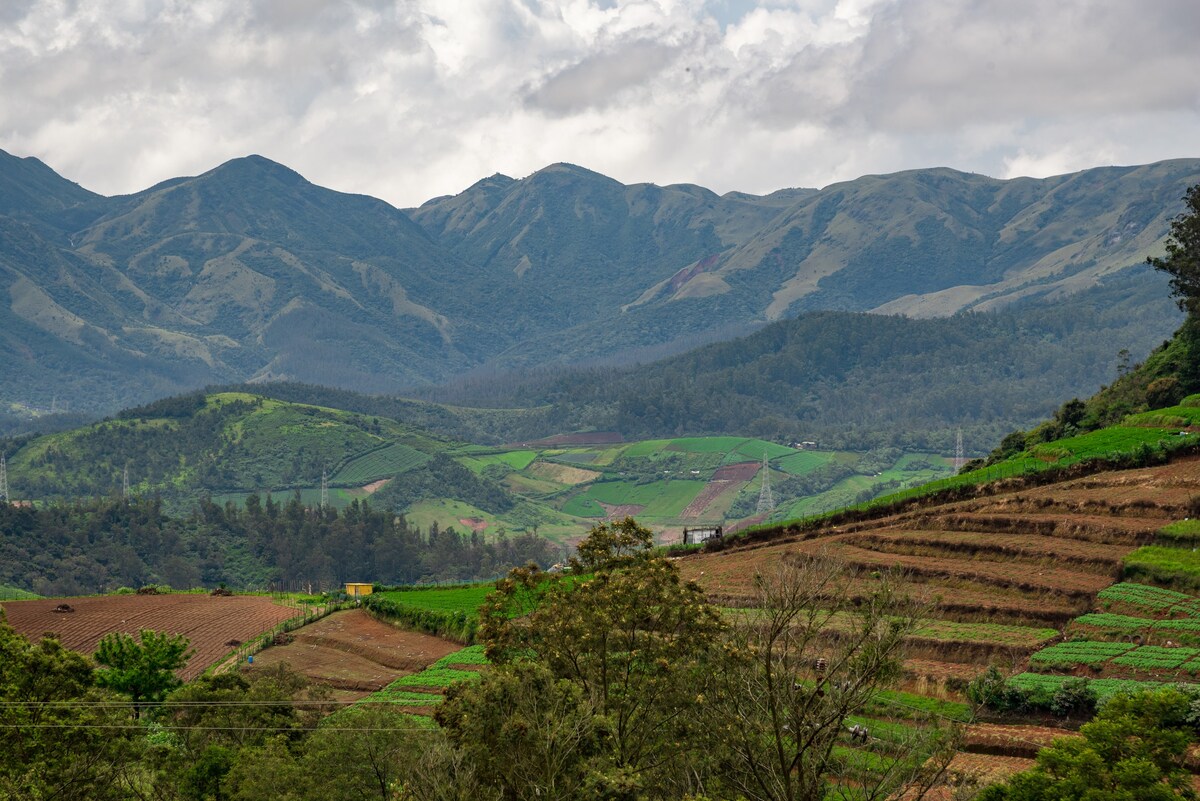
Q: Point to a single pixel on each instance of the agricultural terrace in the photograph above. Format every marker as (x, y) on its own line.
(353, 653)
(214, 625)
(418, 693)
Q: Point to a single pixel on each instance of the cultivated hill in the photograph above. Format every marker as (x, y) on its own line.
(250, 272)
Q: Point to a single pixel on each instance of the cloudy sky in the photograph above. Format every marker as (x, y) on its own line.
(409, 99)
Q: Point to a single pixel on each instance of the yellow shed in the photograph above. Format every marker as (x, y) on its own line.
(358, 590)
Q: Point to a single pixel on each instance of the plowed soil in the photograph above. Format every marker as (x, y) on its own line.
(353, 651)
(209, 622)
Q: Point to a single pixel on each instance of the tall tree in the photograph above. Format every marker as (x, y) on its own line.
(1182, 261)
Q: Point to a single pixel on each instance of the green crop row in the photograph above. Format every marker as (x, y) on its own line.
(1141, 596)
(1079, 653)
(1156, 657)
(471, 655)
(1041, 683)
(382, 463)
(435, 677)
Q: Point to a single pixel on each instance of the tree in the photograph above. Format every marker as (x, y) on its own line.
(1182, 261)
(637, 642)
(529, 734)
(1135, 748)
(63, 738)
(144, 669)
(819, 644)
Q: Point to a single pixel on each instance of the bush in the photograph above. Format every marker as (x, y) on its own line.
(1074, 696)
(991, 689)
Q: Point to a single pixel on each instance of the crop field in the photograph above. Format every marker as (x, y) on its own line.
(419, 692)
(1105, 688)
(1150, 600)
(383, 463)
(658, 498)
(465, 598)
(801, 462)
(1080, 653)
(215, 625)
(14, 594)
(354, 652)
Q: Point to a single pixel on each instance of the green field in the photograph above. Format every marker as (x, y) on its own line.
(14, 594)
(383, 463)
(1185, 533)
(801, 462)
(1044, 684)
(661, 498)
(1161, 564)
(466, 598)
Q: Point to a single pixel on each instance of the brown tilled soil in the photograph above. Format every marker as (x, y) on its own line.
(1036, 555)
(712, 490)
(208, 621)
(742, 471)
(351, 650)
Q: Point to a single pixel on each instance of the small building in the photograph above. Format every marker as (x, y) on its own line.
(697, 534)
(359, 590)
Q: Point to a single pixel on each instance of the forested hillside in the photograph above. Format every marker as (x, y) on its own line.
(250, 272)
(99, 546)
(859, 380)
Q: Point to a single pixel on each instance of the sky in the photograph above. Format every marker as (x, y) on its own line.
(412, 99)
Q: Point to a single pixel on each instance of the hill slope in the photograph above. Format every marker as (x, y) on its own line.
(249, 272)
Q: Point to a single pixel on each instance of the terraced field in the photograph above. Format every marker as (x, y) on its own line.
(1028, 578)
(355, 654)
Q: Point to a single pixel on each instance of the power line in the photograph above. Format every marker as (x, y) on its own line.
(766, 501)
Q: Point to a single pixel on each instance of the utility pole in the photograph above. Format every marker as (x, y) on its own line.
(125, 483)
(766, 501)
(3, 479)
(959, 458)
(324, 489)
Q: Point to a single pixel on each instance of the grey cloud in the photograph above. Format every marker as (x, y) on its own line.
(599, 79)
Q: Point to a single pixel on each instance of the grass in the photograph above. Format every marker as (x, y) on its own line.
(803, 462)
(1161, 564)
(1003, 634)
(465, 598)
(660, 498)
(8, 593)
(1182, 532)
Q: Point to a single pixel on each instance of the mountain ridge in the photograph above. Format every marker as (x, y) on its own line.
(250, 272)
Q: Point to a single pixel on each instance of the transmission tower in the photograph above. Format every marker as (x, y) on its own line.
(125, 482)
(766, 502)
(959, 458)
(324, 489)
(3, 479)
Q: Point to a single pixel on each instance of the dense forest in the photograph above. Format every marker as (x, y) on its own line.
(104, 544)
(850, 380)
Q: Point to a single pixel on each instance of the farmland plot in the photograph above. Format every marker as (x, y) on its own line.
(214, 625)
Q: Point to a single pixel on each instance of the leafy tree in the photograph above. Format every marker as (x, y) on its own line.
(63, 738)
(144, 669)
(636, 641)
(527, 733)
(1135, 748)
(1182, 261)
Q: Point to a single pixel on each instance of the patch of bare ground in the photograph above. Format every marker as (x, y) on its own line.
(374, 486)
(1011, 740)
(620, 511)
(208, 621)
(1029, 548)
(351, 650)
(563, 474)
(712, 490)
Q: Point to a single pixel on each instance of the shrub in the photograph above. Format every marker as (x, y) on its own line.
(1074, 696)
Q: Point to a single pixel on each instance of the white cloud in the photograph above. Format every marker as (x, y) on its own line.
(407, 99)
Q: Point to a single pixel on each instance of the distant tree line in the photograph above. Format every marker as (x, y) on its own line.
(103, 544)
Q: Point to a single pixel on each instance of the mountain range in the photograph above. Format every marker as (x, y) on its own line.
(251, 273)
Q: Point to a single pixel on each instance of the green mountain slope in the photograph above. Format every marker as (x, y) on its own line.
(250, 272)
(858, 380)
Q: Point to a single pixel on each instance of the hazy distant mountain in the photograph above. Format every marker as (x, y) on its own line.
(250, 272)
